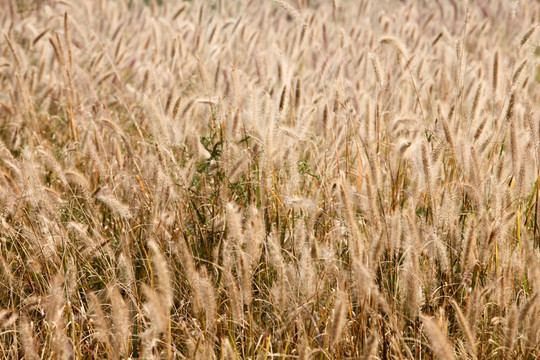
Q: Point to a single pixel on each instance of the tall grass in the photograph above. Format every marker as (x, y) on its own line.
(269, 179)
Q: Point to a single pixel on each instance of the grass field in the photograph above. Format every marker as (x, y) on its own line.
(288, 179)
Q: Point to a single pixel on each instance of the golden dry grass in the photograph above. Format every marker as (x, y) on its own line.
(269, 179)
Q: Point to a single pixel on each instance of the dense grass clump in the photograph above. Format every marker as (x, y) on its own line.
(269, 179)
